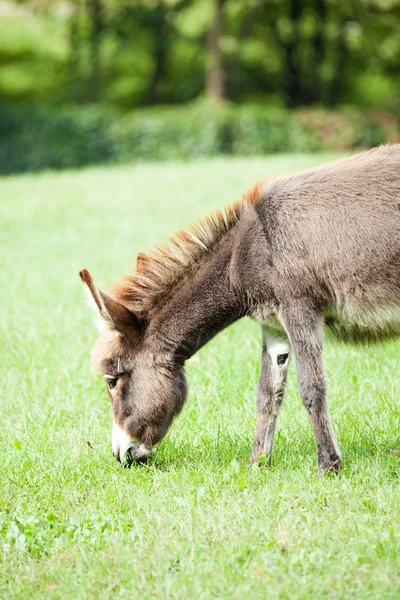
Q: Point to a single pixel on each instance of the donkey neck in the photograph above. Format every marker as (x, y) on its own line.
(203, 304)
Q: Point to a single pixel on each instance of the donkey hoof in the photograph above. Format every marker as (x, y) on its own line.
(260, 460)
(332, 463)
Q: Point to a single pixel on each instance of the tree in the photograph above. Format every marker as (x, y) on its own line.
(216, 76)
(95, 14)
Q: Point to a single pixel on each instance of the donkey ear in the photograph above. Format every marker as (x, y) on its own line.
(113, 314)
(140, 262)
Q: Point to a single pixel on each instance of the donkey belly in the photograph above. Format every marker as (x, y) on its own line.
(367, 307)
(358, 326)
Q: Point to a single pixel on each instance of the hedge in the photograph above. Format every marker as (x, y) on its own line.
(32, 139)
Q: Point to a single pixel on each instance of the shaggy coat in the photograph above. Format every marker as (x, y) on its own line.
(295, 253)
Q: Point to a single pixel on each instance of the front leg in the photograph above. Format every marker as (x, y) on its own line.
(270, 390)
(304, 328)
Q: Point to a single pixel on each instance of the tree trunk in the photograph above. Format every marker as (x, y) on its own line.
(74, 44)
(292, 57)
(336, 83)
(317, 91)
(96, 25)
(216, 77)
(161, 35)
(155, 92)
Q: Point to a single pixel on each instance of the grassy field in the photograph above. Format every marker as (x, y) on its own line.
(193, 522)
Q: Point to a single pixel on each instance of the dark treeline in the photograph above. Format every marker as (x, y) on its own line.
(130, 53)
(105, 81)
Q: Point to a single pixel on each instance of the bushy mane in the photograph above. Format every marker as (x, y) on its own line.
(169, 263)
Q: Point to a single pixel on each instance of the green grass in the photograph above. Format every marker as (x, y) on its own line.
(193, 523)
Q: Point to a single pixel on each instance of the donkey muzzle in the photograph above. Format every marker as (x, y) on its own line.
(135, 453)
(125, 449)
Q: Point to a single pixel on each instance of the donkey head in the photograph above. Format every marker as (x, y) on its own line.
(146, 386)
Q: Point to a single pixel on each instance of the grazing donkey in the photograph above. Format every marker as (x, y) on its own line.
(294, 253)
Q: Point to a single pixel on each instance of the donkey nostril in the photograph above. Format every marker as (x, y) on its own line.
(138, 453)
(134, 453)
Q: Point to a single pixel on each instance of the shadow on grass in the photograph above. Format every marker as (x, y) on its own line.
(219, 451)
(293, 455)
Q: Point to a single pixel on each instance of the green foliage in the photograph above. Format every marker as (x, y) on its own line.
(194, 522)
(134, 53)
(33, 58)
(190, 131)
(34, 139)
(262, 130)
(350, 128)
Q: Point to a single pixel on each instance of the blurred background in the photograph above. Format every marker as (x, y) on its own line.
(99, 81)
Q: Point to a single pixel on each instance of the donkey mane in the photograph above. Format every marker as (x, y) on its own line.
(169, 263)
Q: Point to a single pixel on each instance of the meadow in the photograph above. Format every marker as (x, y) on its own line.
(193, 522)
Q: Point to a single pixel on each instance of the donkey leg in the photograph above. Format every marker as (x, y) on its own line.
(270, 390)
(304, 328)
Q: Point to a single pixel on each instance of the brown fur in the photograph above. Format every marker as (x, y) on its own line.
(319, 247)
(159, 272)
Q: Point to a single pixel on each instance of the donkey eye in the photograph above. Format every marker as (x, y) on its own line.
(111, 381)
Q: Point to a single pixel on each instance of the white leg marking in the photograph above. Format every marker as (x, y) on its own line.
(277, 346)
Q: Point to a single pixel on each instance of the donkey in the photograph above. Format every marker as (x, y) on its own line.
(294, 253)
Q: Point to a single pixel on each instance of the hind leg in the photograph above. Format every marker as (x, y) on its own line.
(304, 327)
(270, 390)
